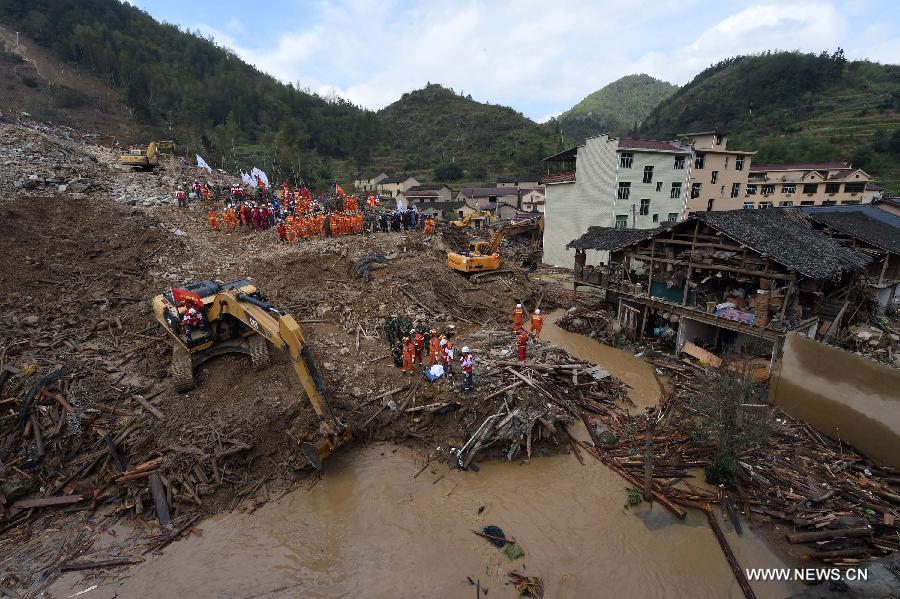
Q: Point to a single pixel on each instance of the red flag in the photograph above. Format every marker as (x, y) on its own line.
(305, 193)
(186, 298)
(338, 189)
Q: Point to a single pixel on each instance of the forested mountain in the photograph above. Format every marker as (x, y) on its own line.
(435, 127)
(617, 108)
(178, 84)
(795, 107)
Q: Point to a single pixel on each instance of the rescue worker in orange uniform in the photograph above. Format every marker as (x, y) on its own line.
(419, 343)
(213, 221)
(522, 340)
(408, 354)
(434, 349)
(537, 323)
(518, 316)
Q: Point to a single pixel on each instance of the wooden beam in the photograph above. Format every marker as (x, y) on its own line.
(752, 273)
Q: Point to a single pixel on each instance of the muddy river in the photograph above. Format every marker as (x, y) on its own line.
(370, 529)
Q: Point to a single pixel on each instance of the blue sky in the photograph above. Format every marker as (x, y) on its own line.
(539, 57)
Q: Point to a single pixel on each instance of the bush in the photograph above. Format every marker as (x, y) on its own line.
(448, 172)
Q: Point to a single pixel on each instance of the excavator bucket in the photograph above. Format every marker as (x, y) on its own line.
(317, 451)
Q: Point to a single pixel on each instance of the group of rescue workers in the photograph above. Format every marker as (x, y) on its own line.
(412, 351)
(297, 214)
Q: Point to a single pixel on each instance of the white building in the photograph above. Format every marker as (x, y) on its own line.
(610, 181)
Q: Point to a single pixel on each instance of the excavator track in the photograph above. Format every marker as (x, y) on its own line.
(182, 369)
(259, 352)
(481, 277)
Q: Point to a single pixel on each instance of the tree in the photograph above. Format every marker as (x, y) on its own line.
(449, 171)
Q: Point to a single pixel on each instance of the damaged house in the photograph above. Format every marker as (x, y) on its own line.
(725, 281)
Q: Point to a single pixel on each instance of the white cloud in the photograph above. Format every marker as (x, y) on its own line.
(540, 58)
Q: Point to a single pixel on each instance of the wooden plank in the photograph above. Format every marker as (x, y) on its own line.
(701, 354)
(47, 501)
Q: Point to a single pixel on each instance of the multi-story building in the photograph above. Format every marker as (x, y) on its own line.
(610, 181)
(807, 184)
(718, 176)
(368, 183)
(393, 187)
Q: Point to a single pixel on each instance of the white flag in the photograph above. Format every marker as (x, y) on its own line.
(248, 180)
(261, 174)
(202, 164)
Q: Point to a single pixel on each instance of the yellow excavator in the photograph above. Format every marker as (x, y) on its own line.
(210, 318)
(477, 215)
(146, 157)
(482, 258)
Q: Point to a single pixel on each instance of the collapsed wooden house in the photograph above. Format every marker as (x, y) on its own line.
(721, 280)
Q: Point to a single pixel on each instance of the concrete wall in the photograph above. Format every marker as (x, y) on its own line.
(847, 397)
(796, 178)
(570, 208)
(661, 203)
(720, 191)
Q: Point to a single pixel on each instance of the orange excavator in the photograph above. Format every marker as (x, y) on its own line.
(235, 317)
(482, 258)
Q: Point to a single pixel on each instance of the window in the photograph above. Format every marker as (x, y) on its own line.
(676, 190)
(645, 207)
(624, 191)
(673, 216)
(656, 218)
(786, 203)
(621, 221)
(726, 163)
(714, 177)
(789, 188)
(648, 174)
(695, 191)
(735, 189)
(659, 185)
(829, 203)
(626, 159)
(739, 162)
(768, 189)
(854, 187)
(699, 159)
(765, 204)
(751, 190)
(810, 187)
(807, 203)
(717, 140)
(851, 202)
(679, 163)
(749, 205)
(709, 204)
(832, 187)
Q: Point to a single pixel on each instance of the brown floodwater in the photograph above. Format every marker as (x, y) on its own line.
(635, 372)
(369, 529)
(846, 396)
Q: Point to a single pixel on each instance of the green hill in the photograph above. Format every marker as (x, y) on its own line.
(794, 107)
(616, 108)
(179, 84)
(435, 126)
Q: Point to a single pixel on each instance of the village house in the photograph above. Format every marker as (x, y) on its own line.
(393, 187)
(532, 200)
(808, 184)
(433, 200)
(870, 230)
(612, 182)
(718, 176)
(502, 201)
(515, 182)
(370, 182)
(723, 280)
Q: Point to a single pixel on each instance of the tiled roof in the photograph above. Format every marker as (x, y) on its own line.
(612, 239)
(391, 180)
(424, 189)
(630, 143)
(567, 177)
(870, 186)
(787, 238)
(859, 225)
(568, 154)
(799, 166)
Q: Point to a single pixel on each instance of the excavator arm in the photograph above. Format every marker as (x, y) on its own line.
(282, 331)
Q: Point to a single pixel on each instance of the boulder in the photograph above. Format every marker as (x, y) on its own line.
(604, 435)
